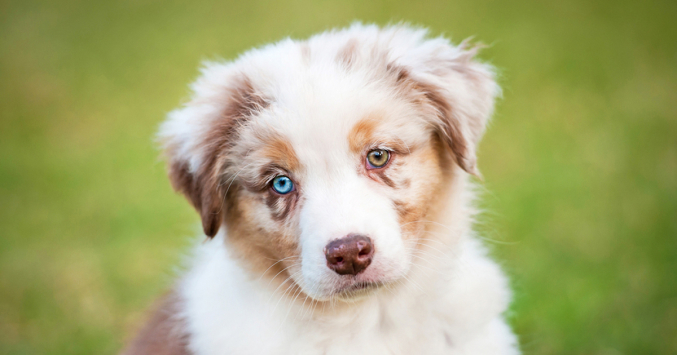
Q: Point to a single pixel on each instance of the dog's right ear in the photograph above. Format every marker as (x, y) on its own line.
(197, 138)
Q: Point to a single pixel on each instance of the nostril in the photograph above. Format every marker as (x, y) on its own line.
(349, 255)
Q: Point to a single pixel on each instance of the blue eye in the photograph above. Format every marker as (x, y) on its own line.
(282, 185)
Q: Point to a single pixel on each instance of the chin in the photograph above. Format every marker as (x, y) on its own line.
(333, 178)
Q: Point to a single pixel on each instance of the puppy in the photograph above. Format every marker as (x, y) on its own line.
(332, 179)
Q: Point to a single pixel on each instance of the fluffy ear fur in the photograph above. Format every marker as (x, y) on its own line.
(460, 90)
(197, 138)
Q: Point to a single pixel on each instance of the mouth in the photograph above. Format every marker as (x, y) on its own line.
(357, 289)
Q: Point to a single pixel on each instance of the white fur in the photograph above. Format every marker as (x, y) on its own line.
(448, 299)
(455, 310)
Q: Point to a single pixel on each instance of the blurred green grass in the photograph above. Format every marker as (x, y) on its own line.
(580, 163)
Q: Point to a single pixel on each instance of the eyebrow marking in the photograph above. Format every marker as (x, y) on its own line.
(281, 152)
(362, 134)
(365, 134)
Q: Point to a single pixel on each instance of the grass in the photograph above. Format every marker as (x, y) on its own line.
(580, 162)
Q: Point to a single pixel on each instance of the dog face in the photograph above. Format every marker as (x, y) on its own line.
(363, 166)
(322, 158)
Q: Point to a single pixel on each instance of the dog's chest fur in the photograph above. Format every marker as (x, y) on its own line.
(454, 311)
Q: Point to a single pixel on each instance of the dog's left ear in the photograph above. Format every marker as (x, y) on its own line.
(458, 90)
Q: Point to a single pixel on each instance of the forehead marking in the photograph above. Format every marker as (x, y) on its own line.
(362, 133)
(280, 151)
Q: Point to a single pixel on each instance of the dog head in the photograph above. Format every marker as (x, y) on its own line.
(321, 157)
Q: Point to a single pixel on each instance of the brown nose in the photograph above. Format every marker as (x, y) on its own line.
(349, 255)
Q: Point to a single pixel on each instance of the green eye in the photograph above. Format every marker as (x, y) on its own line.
(377, 158)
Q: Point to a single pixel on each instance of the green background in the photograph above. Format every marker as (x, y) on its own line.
(580, 162)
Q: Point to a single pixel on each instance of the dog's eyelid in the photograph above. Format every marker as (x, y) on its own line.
(378, 146)
(275, 169)
(270, 176)
(391, 150)
(271, 171)
(396, 146)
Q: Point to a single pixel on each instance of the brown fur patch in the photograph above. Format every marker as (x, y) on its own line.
(386, 180)
(424, 185)
(164, 333)
(406, 183)
(272, 155)
(281, 206)
(362, 134)
(201, 190)
(365, 135)
(265, 252)
(402, 210)
(203, 187)
(258, 221)
(449, 126)
(281, 152)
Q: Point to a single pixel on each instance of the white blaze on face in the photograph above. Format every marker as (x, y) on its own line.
(337, 198)
(339, 202)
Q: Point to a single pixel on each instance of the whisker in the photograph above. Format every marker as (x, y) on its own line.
(302, 308)
(284, 293)
(297, 293)
(281, 271)
(279, 261)
(282, 283)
